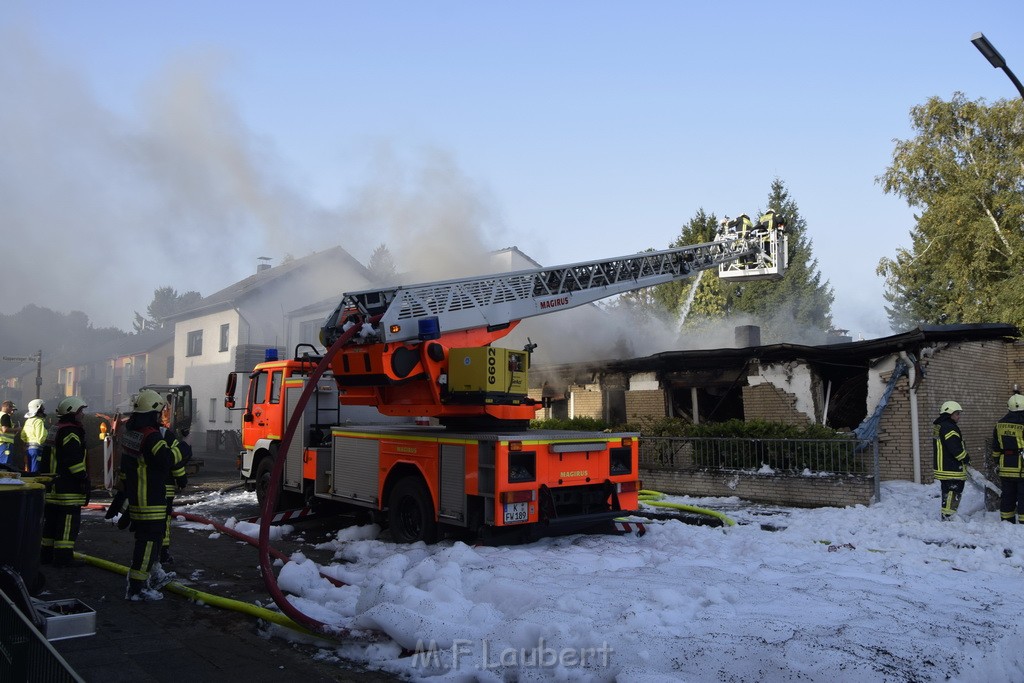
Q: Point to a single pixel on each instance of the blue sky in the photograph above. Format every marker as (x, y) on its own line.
(571, 130)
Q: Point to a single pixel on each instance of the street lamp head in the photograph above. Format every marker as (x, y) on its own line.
(988, 50)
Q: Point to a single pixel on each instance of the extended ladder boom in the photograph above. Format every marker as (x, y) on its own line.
(493, 301)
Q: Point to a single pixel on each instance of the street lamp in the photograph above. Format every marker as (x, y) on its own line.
(994, 58)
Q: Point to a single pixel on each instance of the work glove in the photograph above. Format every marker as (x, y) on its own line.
(967, 461)
(182, 482)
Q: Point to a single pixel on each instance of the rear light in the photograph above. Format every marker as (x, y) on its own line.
(627, 487)
(518, 496)
(395, 329)
(627, 441)
(238, 461)
(515, 445)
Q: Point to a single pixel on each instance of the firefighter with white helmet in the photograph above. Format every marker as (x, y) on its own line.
(33, 433)
(149, 462)
(1007, 449)
(951, 458)
(69, 485)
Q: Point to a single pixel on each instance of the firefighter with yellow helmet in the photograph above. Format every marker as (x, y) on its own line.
(149, 462)
(951, 458)
(69, 485)
(1007, 449)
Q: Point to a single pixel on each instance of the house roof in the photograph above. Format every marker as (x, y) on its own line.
(232, 294)
(859, 351)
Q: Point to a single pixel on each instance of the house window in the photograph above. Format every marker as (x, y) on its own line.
(195, 343)
(213, 410)
(170, 366)
(309, 332)
(227, 416)
(224, 336)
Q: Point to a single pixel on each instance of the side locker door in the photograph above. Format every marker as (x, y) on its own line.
(452, 484)
(293, 387)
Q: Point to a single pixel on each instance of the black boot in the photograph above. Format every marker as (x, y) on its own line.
(65, 557)
(139, 592)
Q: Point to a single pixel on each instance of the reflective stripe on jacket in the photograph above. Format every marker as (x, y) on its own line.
(1007, 442)
(34, 431)
(67, 465)
(948, 449)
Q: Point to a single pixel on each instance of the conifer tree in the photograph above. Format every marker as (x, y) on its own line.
(801, 300)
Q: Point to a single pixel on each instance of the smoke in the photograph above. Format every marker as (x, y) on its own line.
(100, 209)
(437, 224)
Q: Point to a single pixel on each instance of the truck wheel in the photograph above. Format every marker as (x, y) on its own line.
(286, 500)
(411, 512)
(263, 472)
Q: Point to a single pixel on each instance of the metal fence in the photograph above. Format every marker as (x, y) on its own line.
(25, 653)
(782, 456)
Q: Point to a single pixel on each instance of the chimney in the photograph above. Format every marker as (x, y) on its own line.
(747, 335)
(263, 265)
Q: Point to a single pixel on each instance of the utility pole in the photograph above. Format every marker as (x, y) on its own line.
(38, 358)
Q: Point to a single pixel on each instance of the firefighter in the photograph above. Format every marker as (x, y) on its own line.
(33, 433)
(148, 462)
(951, 458)
(8, 432)
(183, 452)
(1007, 445)
(69, 487)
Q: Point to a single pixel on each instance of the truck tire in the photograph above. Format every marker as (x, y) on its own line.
(263, 472)
(411, 512)
(286, 500)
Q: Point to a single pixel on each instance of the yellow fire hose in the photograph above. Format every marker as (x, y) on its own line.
(654, 498)
(206, 598)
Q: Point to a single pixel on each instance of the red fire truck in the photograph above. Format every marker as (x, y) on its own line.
(425, 351)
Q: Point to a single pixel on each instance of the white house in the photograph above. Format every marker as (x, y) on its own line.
(231, 329)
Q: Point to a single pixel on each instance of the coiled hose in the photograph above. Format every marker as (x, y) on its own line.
(654, 498)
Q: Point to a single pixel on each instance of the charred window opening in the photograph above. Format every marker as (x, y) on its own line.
(715, 403)
(844, 393)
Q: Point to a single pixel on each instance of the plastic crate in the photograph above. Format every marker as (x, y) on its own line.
(70, 618)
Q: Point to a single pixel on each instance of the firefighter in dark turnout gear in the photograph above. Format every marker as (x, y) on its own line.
(1007, 446)
(951, 458)
(69, 487)
(182, 452)
(148, 463)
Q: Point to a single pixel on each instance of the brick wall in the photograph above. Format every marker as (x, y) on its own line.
(974, 374)
(645, 403)
(769, 402)
(587, 403)
(795, 491)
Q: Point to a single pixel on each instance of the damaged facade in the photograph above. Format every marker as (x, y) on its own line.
(837, 385)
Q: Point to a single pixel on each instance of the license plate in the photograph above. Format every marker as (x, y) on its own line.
(516, 512)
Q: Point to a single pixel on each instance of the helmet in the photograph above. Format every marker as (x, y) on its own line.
(950, 407)
(1016, 402)
(35, 406)
(148, 401)
(70, 405)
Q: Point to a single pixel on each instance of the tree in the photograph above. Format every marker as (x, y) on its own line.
(964, 172)
(800, 300)
(382, 266)
(166, 302)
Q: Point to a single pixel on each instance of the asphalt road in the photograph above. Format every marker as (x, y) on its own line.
(177, 639)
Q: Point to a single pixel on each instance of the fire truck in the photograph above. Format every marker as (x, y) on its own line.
(425, 352)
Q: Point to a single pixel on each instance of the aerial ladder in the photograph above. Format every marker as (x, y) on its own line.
(425, 350)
